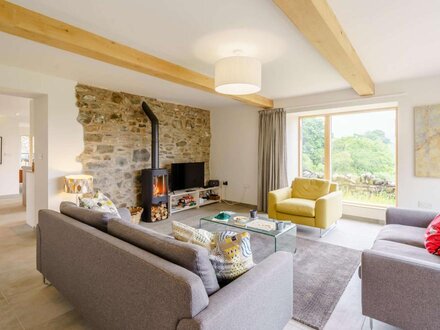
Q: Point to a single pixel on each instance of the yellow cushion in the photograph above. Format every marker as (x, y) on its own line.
(310, 188)
(297, 206)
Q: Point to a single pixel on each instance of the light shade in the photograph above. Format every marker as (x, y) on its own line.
(238, 75)
(78, 184)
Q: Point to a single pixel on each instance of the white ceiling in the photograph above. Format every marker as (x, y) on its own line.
(395, 39)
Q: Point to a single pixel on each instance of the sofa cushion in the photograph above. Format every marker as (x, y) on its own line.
(92, 218)
(190, 256)
(97, 201)
(414, 236)
(232, 255)
(404, 250)
(432, 236)
(297, 206)
(310, 188)
(185, 233)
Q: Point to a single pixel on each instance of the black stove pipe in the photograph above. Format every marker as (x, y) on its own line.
(154, 135)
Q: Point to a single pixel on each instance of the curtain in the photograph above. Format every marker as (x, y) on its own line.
(272, 154)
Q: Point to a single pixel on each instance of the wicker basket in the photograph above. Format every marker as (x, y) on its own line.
(136, 213)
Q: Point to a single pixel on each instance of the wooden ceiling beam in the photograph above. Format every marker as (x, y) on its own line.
(317, 22)
(31, 25)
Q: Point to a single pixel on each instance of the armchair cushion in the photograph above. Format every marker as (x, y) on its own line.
(297, 206)
(414, 236)
(310, 188)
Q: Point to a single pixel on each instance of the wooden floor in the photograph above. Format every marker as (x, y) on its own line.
(26, 303)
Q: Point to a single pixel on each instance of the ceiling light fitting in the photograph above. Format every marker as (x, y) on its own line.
(238, 75)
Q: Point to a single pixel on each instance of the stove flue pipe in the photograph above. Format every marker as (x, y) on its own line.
(154, 135)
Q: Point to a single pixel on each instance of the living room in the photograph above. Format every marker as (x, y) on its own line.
(302, 134)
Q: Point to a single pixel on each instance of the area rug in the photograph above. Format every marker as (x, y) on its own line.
(321, 272)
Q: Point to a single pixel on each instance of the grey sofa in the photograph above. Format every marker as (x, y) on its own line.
(116, 285)
(400, 279)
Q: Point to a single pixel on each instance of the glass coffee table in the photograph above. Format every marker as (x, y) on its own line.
(283, 240)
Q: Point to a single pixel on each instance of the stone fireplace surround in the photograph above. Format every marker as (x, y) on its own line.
(117, 139)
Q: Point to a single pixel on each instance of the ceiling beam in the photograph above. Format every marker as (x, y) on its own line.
(317, 22)
(31, 25)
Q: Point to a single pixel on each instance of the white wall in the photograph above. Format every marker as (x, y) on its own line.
(10, 131)
(412, 190)
(234, 152)
(58, 136)
(10, 134)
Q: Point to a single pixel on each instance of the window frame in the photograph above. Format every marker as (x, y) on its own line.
(328, 146)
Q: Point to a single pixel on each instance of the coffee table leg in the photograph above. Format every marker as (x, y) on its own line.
(286, 242)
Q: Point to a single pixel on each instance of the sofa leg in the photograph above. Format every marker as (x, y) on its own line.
(324, 232)
(46, 282)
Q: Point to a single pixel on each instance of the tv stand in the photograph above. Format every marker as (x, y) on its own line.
(196, 195)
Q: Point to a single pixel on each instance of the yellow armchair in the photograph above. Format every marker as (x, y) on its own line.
(311, 202)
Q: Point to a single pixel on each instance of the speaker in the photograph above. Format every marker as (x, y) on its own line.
(213, 183)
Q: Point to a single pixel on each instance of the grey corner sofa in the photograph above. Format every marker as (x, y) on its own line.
(400, 279)
(115, 284)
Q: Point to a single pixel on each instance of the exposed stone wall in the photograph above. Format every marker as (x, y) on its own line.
(117, 139)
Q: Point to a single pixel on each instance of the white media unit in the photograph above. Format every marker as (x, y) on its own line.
(196, 194)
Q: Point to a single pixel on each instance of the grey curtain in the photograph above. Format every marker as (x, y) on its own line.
(272, 154)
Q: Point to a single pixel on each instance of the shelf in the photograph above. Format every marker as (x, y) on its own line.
(182, 209)
(196, 195)
(208, 202)
(195, 191)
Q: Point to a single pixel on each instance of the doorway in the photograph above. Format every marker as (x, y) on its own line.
(16, 156)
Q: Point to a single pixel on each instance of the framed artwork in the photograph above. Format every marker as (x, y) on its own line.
(427, 141)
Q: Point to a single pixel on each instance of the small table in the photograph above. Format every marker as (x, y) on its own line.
(284, 239)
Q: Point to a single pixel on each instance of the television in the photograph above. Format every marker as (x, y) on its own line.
(187, 175)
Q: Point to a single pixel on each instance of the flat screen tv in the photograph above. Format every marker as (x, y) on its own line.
(187, 175)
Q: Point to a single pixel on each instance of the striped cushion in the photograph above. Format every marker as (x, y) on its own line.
(232, 255)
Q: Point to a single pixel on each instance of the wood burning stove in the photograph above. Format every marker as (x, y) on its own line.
(154, 180)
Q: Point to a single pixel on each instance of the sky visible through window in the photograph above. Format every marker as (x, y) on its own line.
(350, 124)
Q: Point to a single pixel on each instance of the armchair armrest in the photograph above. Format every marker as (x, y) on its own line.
(400, 290)
(328, 209)
(276, 196)
(262, 298)
(408, 217)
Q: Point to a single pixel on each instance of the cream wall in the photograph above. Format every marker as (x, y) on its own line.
(58, 136)
(234, 152)
(413, 192)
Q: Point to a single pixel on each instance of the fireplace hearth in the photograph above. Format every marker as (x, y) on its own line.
(154, 180)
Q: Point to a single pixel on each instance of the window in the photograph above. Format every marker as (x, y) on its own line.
(312, 146)
(357, 150)
(25, 151)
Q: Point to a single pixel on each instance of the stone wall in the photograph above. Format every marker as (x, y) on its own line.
(117, 139)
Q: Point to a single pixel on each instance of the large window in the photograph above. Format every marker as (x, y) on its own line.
(357, 150)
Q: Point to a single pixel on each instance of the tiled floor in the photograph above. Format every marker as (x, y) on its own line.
(25, 303)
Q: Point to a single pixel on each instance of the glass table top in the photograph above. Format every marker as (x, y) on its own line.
(232, 223)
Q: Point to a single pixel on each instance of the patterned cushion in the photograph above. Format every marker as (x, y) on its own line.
(432, 236)
(232, 255)
(98, 202)
(189, 234)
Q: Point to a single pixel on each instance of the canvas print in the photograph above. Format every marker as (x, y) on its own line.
(427, 140)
